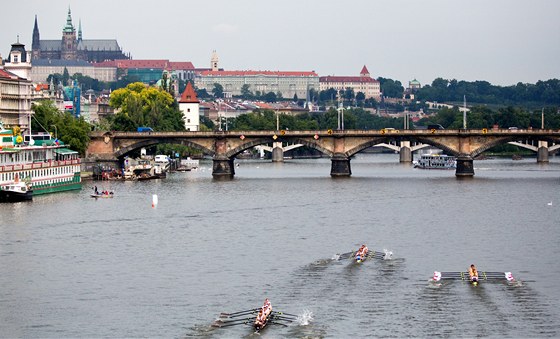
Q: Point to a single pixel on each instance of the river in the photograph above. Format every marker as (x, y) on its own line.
(73, 266)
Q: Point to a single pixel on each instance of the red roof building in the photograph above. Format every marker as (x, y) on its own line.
(363, 83)
(287, 83)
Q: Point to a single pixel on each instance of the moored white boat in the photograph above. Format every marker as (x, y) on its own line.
(436, 161)
(16, 191)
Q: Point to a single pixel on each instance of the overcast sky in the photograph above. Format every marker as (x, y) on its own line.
(500, 41)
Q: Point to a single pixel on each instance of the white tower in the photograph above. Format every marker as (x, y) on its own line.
(190, 106)
(214, 61)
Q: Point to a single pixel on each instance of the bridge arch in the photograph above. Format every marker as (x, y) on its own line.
(256, 142)
(440, 145)
(151, 142)
(367, 144)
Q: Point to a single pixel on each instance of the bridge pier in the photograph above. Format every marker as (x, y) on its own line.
(542, 154)
(277, 152)
(542, 151)
(340, 166)
(465, 166)
(222, 167)
(405, 153)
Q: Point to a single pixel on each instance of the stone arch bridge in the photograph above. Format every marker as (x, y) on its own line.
(339, 145)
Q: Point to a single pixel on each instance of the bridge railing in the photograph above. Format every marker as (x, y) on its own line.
(292, 133)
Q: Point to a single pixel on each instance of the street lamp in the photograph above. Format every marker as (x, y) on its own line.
(55, 132)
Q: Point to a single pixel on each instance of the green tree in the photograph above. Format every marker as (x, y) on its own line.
(391, 88)
(270, 97)
(72, 131)
(140, 105)
(246, 91)
(218, 91)
(349, 94)
(65, 77)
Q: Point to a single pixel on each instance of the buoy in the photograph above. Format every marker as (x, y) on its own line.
(154, 200)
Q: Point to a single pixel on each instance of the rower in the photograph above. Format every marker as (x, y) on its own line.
(473, 273)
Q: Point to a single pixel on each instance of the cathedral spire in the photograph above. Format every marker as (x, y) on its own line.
(69, 28)
(80, 31)
(35, 45)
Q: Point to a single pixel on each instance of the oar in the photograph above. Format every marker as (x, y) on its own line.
(238, 314)
(375, 255)
(280, 318)
(285, 314)
(276, 323)
(345, 255)
(221, 323)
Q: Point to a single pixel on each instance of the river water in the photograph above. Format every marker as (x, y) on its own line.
(72, 266)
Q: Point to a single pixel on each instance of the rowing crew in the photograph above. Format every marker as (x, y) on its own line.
(262, 316)
(361, 254)
(265, 316)
(473, 275)
(364, 253)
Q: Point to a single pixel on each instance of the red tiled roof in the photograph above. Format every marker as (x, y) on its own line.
(332, 78)
(148, 63)
(249, 73)
(180, 65)
(189, 95)
(364, 71)
(41, 87)
(7, 75)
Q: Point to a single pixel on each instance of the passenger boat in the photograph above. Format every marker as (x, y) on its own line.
(45, 164)
(16, 191)
(436, 161)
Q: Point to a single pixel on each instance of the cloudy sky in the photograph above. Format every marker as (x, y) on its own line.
(500, 41)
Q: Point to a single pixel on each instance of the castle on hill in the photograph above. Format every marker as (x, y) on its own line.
(73, 47)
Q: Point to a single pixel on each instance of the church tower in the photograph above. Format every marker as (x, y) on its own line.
(36, 44)
(80, 31)
(214, 61)
(69, 42)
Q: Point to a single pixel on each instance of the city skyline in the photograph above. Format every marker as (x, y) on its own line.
(503, 42)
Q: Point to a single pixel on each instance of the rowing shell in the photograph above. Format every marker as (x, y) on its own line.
(247, 318)
(371, 254)
(465, 276)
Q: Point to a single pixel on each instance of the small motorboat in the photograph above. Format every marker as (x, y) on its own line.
(106, 194)
(16, 192)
